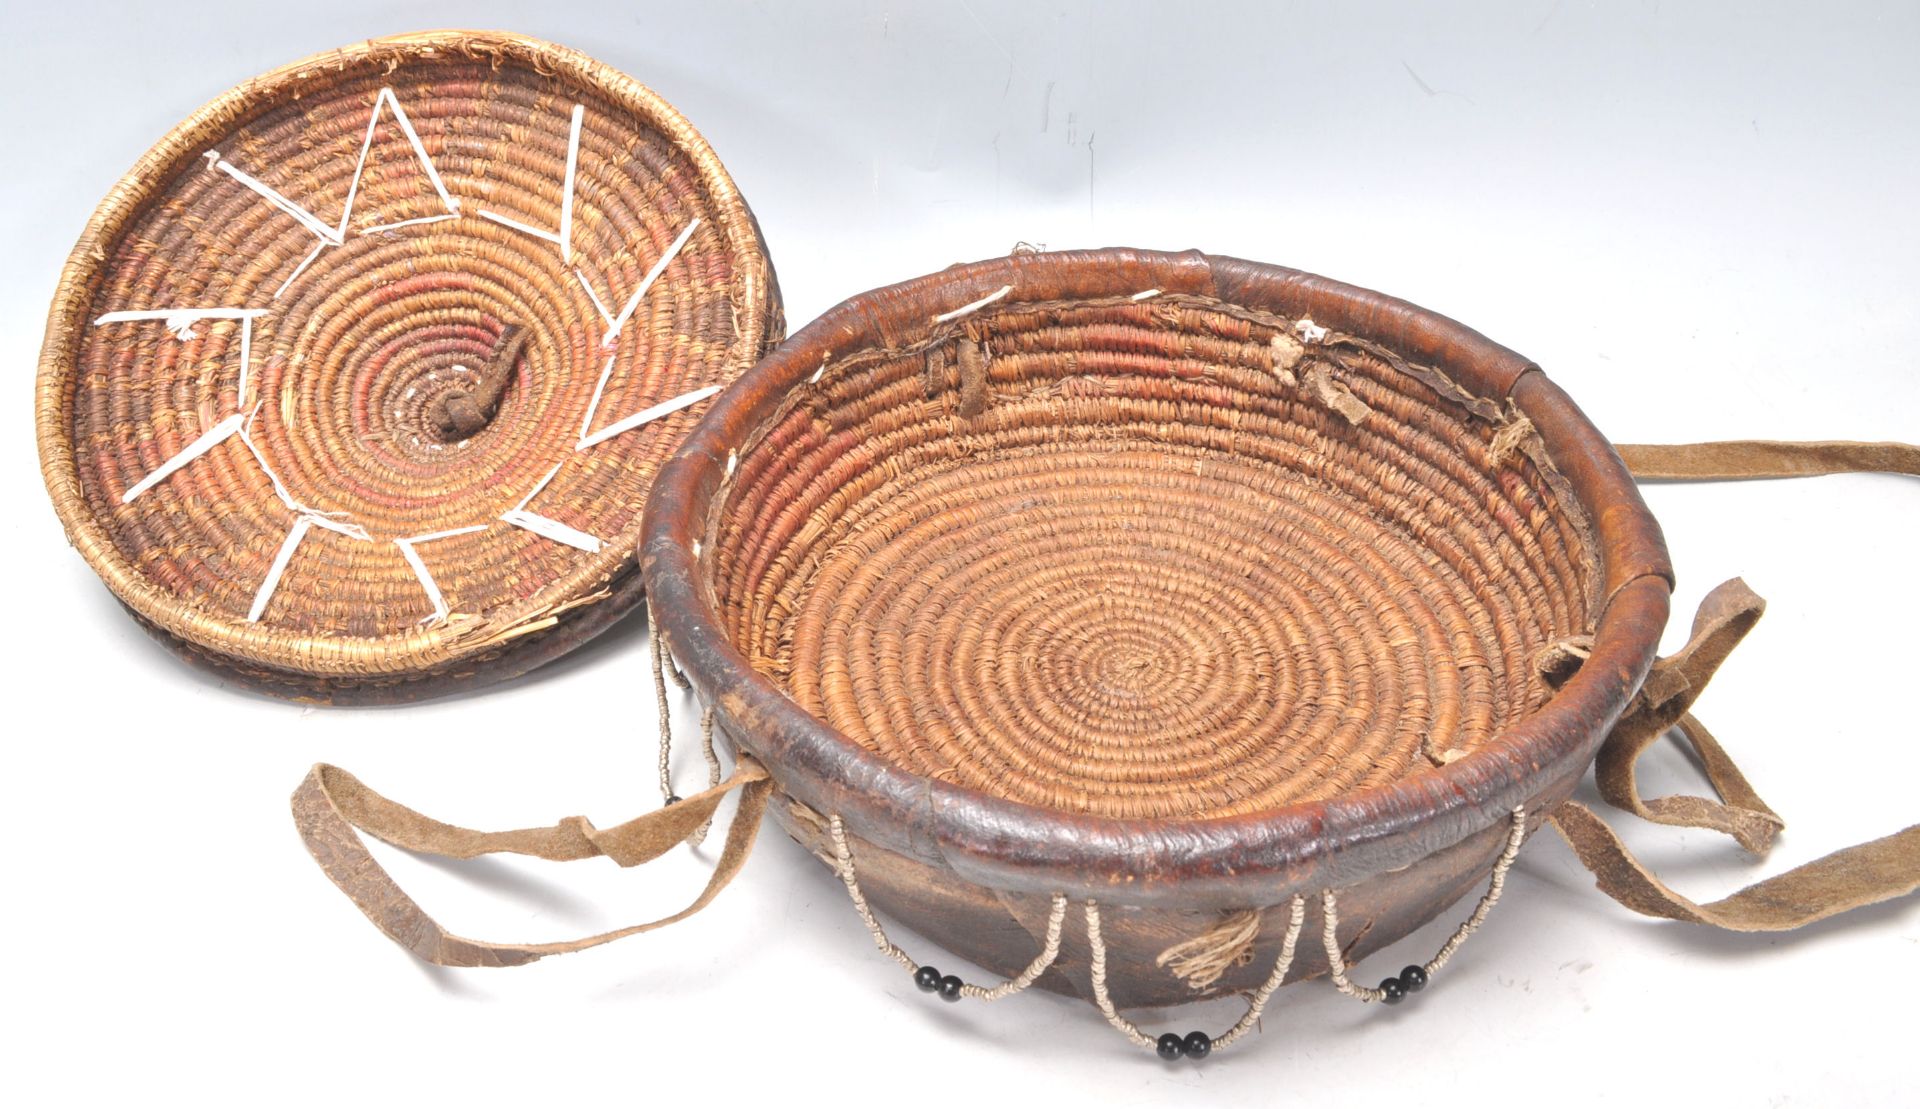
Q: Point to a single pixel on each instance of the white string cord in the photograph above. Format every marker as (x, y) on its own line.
(599, 388)
(546, 527)
(419, 151)
(566, 188)
(551, 529)
(598, 305)
(306, 219)
(301, 268)
(332, 521)
(246, 362)
(180, 321)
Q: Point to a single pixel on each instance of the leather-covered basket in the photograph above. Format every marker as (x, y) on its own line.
(1167, 629)
(1154, 626)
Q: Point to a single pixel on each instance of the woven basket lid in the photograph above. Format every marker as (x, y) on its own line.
(355, 385)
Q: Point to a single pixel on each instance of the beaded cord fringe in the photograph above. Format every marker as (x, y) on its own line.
(662, 663)
(1194, 1045)
(930, 980)
(1413, 979)
(1169, 1045)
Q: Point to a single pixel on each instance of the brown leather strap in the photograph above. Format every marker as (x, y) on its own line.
(1848, 879)
(1765, 458)
(331, 803)
(1725, 617)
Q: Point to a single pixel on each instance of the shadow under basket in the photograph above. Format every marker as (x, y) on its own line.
(1154, 627)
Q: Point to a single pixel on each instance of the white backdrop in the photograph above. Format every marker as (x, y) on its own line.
(1700, 218)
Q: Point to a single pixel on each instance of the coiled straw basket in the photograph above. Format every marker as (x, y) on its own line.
(1179, 583)
(306, 277)
(1158, 626)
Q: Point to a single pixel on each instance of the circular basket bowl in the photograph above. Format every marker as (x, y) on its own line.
(323, 258)
(1179, 583)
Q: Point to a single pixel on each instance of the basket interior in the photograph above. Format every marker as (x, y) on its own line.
(1124, 557)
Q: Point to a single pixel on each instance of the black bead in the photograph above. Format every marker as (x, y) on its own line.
(927, 978)
(1198, 1045)
(1393, 990)
(949, 988)
(1414, 979)
(1171, 1046)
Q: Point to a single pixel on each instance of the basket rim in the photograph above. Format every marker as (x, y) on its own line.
(1012, 845)
(416, 657)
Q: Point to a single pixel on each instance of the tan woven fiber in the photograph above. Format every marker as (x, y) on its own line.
(353, 362)
(1179, 564)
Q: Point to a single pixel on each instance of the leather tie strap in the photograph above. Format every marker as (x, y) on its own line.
(331, 803)
(1724, 619)
(1848, 879)
(1745, 459)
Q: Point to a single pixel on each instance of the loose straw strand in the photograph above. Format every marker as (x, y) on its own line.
(1200, 961)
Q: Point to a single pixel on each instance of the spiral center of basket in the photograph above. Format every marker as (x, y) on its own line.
(328, 264)
(417, 375)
